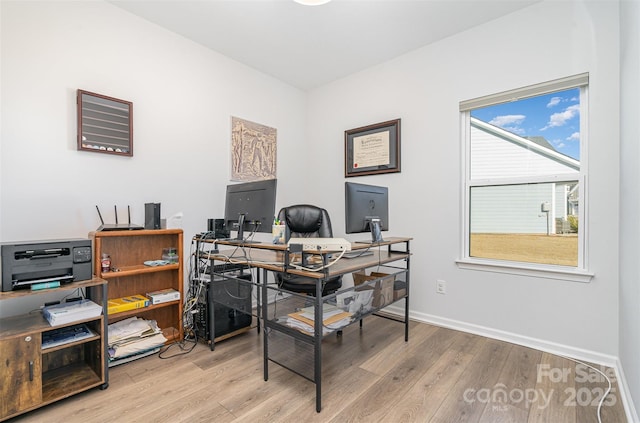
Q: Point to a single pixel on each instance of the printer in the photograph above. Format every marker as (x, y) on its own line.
(27, 263)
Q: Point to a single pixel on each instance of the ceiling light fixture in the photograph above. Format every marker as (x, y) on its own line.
(312, 2)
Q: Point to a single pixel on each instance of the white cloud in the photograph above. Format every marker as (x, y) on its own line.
(554, 101)
(507, 120)
(559, 119)
(514, 129)
(574, 137)
(509, 123)
(558, 144)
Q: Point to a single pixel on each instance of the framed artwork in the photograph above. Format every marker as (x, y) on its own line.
(372, 149)
(253, 151)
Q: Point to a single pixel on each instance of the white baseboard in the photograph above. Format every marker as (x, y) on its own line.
(629, 407)
(538, 344)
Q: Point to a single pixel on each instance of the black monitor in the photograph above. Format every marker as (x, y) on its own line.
(366, 209)
(250, 206)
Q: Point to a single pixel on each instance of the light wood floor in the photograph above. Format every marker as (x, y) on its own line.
(371, 375)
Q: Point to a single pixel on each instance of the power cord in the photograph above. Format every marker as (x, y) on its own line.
(183, 349)
(320, 268)
(606, 393)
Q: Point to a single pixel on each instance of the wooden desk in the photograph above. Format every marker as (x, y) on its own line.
(291, 347)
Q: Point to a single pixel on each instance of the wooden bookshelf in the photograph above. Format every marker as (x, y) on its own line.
(129, 276)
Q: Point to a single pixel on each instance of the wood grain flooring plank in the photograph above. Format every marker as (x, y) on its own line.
(424, 398)
(274, 401)
(467, 399)
(197, 406)
(554, 382)
(504, 413)
(375, 402)
(379, 362)
(341, 393)
(514, 390)
(590, 388)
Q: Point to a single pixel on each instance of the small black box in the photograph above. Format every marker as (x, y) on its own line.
(216, 228)
(152, 216)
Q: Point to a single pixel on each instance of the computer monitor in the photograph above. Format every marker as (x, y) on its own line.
(366, 209)
(250, 206)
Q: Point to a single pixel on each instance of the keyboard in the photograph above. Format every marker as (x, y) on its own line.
(357, 253)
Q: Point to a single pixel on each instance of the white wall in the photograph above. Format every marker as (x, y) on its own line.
(630, 196)
(423, 88)
(183, 98)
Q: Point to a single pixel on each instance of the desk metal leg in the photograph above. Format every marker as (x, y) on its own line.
(318, 344)
(259, 296)
(211, 317)
(265, 342)
(406, 299)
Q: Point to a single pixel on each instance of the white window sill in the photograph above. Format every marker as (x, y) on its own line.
(557, 272)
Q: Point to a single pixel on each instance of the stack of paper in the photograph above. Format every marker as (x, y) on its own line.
(133, 336)
(61, 314)
(333, 318)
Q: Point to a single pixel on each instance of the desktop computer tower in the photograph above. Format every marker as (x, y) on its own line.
(230, 312)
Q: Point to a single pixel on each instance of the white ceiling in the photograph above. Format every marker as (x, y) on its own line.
(308, 46)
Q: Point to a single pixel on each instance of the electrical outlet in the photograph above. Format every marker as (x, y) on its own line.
(441, 287)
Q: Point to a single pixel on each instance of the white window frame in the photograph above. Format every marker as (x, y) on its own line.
(579, 273)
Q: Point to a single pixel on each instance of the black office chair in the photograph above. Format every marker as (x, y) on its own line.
(306, 221)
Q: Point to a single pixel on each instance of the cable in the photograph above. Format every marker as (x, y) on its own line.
(361, 252)
(317, 269)
(606, 393)
(181, 344)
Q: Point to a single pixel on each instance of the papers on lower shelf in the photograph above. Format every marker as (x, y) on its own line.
(61, 314)
(333, 318)
(66, 335)
(133, 336)
(328, 311)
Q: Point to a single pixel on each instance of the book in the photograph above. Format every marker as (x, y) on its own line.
(163, 296)
(118, 305)
(60, 314)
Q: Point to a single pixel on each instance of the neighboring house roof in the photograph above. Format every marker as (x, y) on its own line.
(536, 144)
(541, 141)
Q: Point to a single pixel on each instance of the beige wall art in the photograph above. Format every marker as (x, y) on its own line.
(253, 151)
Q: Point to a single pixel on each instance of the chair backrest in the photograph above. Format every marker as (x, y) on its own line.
(306, 221)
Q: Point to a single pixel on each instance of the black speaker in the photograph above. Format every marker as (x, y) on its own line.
(152, 216)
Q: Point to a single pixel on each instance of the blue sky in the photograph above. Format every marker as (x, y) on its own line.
(556, 117)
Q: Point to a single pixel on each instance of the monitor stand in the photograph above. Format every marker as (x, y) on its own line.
(239, 239)
(376, 233)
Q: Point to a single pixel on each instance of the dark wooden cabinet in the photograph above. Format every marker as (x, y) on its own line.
(21, 388)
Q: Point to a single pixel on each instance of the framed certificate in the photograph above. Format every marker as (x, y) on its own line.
(372, 149)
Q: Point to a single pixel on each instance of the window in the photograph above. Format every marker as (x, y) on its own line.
(525, 177)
